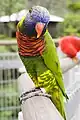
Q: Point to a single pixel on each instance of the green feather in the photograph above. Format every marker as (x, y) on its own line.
(20, 24)
(51, 60)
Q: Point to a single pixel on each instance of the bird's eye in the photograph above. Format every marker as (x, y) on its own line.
(30, 10)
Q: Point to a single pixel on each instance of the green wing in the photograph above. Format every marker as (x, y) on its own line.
(52, 62)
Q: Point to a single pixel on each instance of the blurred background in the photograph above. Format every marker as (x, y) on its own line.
(64, 20)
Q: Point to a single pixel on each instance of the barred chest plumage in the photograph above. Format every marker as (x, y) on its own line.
(29, 46)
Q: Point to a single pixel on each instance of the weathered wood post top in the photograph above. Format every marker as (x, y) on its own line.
(34, 106)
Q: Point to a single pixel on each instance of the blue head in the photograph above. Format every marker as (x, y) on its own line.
(36, 21)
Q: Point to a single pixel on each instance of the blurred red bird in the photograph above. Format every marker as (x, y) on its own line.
(70, 45)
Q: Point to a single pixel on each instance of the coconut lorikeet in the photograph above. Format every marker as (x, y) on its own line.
(38, 54)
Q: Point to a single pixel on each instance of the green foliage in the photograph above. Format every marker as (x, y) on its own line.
(70, 26)
(74, 6)
(2, 36)
(7, 7)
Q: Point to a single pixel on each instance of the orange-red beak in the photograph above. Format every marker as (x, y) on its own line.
(39, 28)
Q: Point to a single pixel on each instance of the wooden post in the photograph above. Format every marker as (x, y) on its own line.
(37, 107)
(20, 116)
